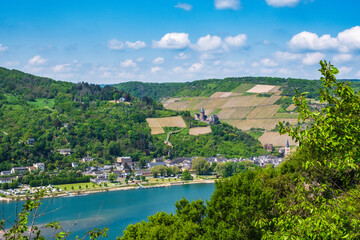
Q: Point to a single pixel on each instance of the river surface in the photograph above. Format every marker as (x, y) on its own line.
(115, 210)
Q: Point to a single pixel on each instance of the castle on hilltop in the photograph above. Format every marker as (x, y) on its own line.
(214, 119)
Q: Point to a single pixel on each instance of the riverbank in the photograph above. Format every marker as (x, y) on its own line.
(84, 192)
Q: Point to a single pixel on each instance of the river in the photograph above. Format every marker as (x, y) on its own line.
(115, 209)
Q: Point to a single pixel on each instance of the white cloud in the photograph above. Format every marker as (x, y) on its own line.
(267, 62)
(345, 41)
(37, 60)
(158, 60)
(235, 65)
(125, 75)
(267, 70)
(128, 63)
(285, 71)
(350, 38)
(343, 57)
(311, 41)
(255, 64)
(344, 70)
(173, 41)
(115, 44)
(207, 56)
(182, 56)
(196, 67)
(140, 59)
(155, 69)
(185, 6)
(178, 69)
(208, 43)
(227, 4)
(313, 58)
(237, 41)
(2, 48)
(62, 68)
(135, 45)
(282, 3)
(287, 55)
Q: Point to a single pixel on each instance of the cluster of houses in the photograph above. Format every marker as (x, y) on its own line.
(122, 168)
(283, 151)
(6, 175)
(125, 165)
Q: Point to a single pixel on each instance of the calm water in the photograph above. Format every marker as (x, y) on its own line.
(114, 210)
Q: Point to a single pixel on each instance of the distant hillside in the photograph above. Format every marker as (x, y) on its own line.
(82, 117)
(205, 88)
(255, 113)
(30, 87)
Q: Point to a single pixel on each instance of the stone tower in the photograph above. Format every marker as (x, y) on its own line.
(287, 147)
(202, 114)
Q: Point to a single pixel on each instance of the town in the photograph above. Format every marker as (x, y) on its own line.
(126, 172)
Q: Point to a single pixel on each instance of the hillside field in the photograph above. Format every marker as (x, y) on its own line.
(247, 107)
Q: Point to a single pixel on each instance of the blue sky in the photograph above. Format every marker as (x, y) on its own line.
(171, 41)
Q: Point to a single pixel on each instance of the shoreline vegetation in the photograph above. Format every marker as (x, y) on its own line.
(83, 192)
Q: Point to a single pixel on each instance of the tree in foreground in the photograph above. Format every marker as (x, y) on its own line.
(325, 201)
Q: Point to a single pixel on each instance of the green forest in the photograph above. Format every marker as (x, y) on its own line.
(40, 116)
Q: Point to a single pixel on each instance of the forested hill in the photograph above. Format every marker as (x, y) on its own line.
(82, 117)
(30, 87)
(205, 88)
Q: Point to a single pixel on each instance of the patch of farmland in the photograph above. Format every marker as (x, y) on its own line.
(200, 130)
(286, 115)
(276, 139)
(267, 124)
(225, 113)
(243, 88)
(157, 130)
(243, 101)
(271, 100)
(199, 105)
(191, 104)
(276, 90)
(263, 112)
(153, 123)
(291, 107)
(221, 95)
(261, 89)
(241, 112)
(216, 103)
(171, 100)
(157, 124)
(209, 111)
(178, 106)
(177, 121)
